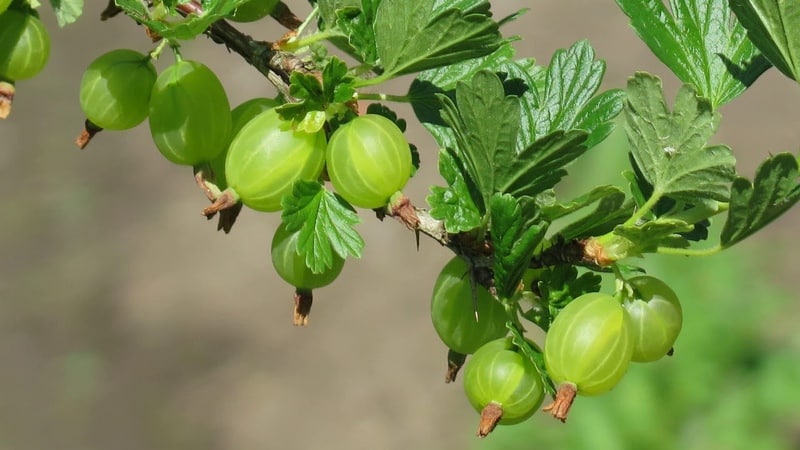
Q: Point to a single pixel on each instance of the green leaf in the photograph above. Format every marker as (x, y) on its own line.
(754, 205)
(410, 37)
(443, 80)
(67, 11)
(669, 147)
(534, 355)
(653, 234)
(513, 242)
(325, 222)
(540, 166)
(611, 210)
(329, 11)
(170, 24)
(358, 26)
(317, 98)
(454, 205)
(572, 79)
(485, 123)
(774, 27)
(559, 285)
(701, 42)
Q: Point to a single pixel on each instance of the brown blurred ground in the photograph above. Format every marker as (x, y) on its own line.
(127, 322)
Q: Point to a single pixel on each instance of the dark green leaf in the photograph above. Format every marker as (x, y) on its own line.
(701, 42)
(540, 166)
(329, 11)
(653, 234)
(325, 222)
(444, 80)
(485, 123)
(669, 147)
(534, 355)
(358, 26)
(554, 210)
(774, 27)
(572, 79)
(454, 205)
(411, 38)
(559, 285)
(611, 210)
(513, 243)
(754, 205)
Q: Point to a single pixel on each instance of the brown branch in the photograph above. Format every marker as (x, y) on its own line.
(275, 65)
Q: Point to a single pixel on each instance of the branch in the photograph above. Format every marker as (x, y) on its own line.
(275, 65)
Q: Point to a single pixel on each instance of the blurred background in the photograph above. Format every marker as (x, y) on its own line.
(128, 322)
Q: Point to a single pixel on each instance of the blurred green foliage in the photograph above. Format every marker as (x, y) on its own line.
(734, 380)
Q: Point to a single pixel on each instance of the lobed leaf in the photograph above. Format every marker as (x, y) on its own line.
(701, 42)
(669, 147)
(754, 205)
(512, 241)
(411, 36)
(325, 222)
(454, 205)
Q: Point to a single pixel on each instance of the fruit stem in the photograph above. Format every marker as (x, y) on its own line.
(383, 97)
(401, 208)
(89, 130)
(490, 417)
(227, 199)
(644, 209)
(303, 298)
(455, 361)
(156, 52)
(563, 401)
(689, 251)
(7, 91)
(293, 45)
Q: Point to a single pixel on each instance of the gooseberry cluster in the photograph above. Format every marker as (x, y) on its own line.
(587, 350)
(250, 155)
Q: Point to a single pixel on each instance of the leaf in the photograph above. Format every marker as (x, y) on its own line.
(329, 10)
(454, 205)
(559, 285)
(443, 80)
(317, 98)
(358, 26)
(540, 166)
(534, 355)
(611, 210)
(325, 222)
(669, 147)
(700, 42)
(67, 11)
(754, 205)
(572, 79)
(173, 25)
(485, 124)
(411, 38)
(774, 27)
(653, 234)
(513, 243)
(554, 210)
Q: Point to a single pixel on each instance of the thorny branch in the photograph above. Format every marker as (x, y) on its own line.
(277, 67)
